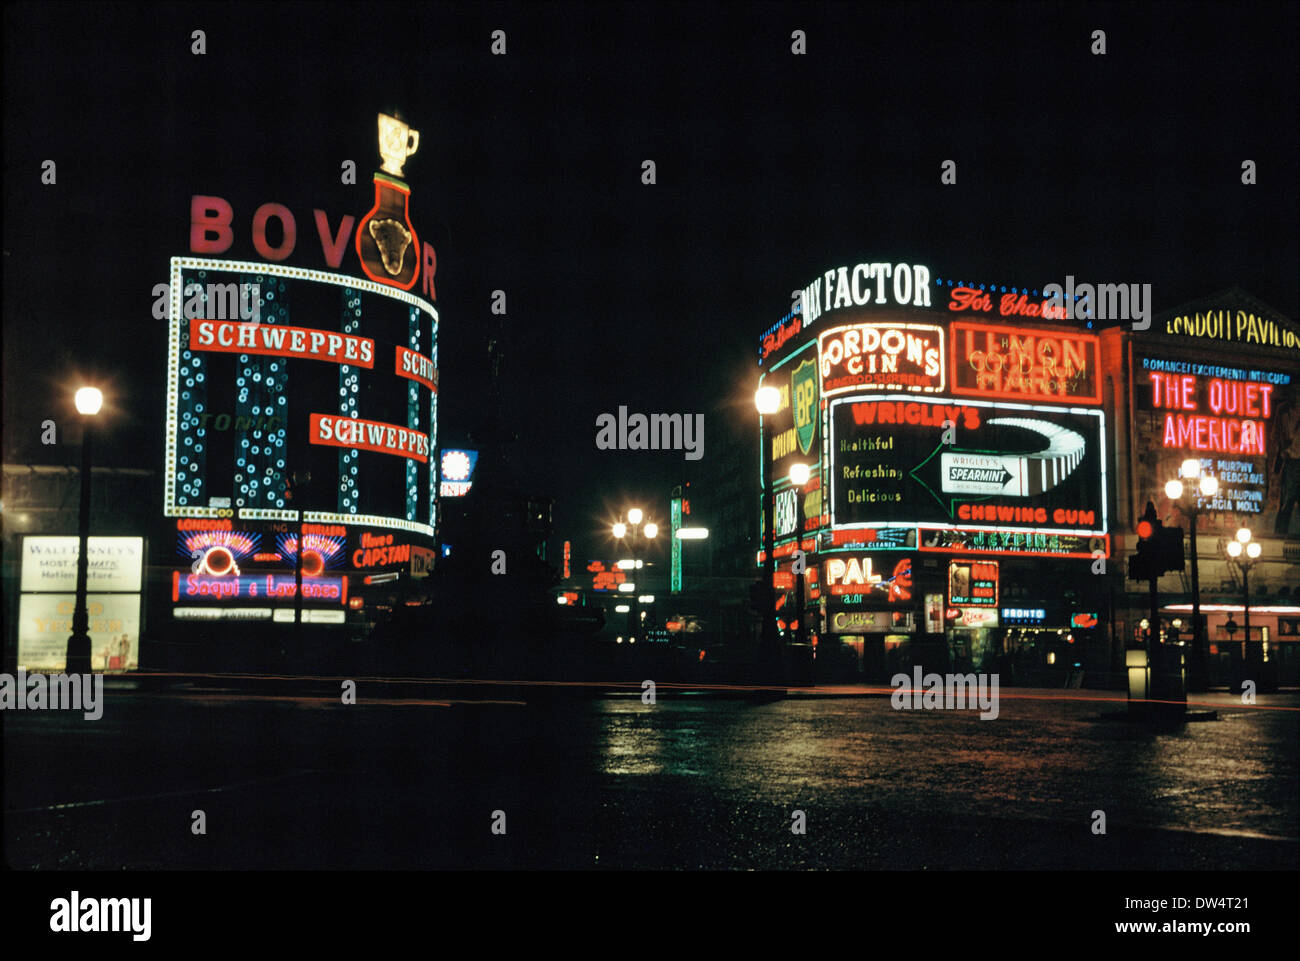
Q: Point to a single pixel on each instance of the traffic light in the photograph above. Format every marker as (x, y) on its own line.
(1159, 549)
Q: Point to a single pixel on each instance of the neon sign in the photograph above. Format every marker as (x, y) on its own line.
(930, 463)
(973, 583)
(234, 337)
(409, 363)
(854, 575)
(333, 430)
(908, 285)
(457, 472)
(881, 357)
(1018, 363)
(1248, 405)
(1009, 305)
(260, 586)
(1238, 326)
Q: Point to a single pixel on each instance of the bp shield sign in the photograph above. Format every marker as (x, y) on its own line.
(804, 392)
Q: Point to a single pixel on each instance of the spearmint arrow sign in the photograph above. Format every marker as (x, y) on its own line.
(1012, 466)
(969, 472)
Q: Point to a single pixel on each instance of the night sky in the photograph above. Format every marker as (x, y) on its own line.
(771, 168)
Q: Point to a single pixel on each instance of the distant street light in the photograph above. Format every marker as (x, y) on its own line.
(1244, 545)
(1207, 485)
(633, 530)
(88, 401)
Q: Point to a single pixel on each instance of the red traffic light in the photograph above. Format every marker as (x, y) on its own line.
(1145, 529)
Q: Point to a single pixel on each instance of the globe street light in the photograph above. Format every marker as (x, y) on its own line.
(1188, 497)
(88, 401)
(767, 400)
(1251, 549)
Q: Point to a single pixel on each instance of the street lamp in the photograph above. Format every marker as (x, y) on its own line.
(88, 401)
(1236, 548)
(767, 400)
(650, 530)
(799, 474)
(1186, 495)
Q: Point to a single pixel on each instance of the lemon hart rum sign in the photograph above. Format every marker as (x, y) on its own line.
(387, 246)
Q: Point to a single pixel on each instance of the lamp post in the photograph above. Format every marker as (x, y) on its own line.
(1251, 549)
(649, 530)
(88, 400)
(1188, 497)
(799, 474)
(767, 400)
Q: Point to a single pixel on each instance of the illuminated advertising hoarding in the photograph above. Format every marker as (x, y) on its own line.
(1228, 325)
(305, 390)
(862, 578)
(973, 583)
(45, 621)
(881, 356)
(1024, 364)
(457, 472)
(314, 386)
(50, 563)
(1242, 424)
(1008, 467)
(237, 570)
(792, 435)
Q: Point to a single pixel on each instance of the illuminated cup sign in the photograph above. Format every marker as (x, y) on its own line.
(1084, 620)
(973, 583)
(881, 356)
(1009, 466)
(1021, 363)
